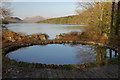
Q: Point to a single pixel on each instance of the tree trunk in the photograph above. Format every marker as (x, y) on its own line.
(118, 19)
(112, 15)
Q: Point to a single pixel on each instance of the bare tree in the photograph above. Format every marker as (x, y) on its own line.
(83, 6)
(5, 9)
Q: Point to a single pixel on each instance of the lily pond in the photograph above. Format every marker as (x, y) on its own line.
(60, 54)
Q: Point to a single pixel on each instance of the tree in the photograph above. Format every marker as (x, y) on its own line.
(83, 6)
(118, 19)
(112, 15)
(99, 12)
(5, 9)
(115, 18)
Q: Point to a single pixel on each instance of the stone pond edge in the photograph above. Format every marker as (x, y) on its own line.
(16, 46)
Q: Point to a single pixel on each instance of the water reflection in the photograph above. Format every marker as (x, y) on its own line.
(63, 54)
(112, 53)
(101, 55)
(51, 29)
(85, 53)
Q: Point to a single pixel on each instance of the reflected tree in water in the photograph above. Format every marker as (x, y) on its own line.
(96, 54)
(101, 55)
(85, 54)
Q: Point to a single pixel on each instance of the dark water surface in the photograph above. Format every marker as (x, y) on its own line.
(62, 54)
(51, 29)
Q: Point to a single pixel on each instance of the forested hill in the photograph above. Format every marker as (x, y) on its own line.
(88, 17)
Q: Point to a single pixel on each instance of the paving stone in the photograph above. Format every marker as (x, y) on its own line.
(98, 72)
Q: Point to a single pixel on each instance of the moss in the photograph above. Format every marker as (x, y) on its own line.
(69, 67)
(13, 62)
(93, 64)
(24, 64)
(5, 59)
(113, 61)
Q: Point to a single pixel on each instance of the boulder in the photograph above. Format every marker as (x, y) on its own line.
(43, 37)
(105, 35)
(59, 36)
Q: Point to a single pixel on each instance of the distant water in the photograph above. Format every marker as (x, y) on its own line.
(63, 54)
(51, 29)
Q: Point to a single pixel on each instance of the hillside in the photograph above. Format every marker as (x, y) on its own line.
(88, 17)
(13, 19)
(34, 19)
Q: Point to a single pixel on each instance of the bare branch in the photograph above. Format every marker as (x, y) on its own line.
(5, 9)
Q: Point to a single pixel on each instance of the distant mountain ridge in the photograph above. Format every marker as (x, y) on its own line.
(13, 19)
(89, 17)
(34, 19)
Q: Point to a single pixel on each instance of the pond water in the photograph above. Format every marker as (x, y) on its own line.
(62, 54)
(51, 29)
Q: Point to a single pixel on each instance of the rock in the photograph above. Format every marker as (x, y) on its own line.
(82, 33)
(42, 37)
(18, 71)
(71, 41)
(75, 33)
(59, 36)
(13, 40)
(105, 35)
(63, 34)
